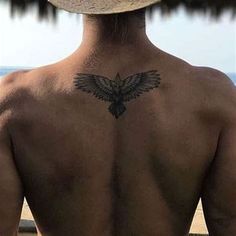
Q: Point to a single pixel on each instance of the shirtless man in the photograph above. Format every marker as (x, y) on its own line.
(111, 162)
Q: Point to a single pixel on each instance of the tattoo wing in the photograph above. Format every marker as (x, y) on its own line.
(100, 86)
(135, 85)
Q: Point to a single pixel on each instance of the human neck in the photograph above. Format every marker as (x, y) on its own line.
(99, 46)
(98, 35)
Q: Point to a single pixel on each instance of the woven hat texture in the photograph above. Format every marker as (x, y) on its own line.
(102, 6)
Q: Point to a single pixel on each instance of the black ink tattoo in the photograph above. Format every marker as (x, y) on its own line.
(118, 91)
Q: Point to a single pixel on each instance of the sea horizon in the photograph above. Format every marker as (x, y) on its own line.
(4, 70)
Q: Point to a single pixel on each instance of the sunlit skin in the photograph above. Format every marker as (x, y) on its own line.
(85, 173)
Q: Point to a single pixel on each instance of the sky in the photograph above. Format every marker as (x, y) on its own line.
(27, 42)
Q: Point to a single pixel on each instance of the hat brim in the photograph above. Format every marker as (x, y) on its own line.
(95, 7)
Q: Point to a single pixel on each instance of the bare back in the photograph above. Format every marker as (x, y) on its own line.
(84, 172)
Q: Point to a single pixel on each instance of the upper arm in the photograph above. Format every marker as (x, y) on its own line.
(11, 191)
(219, 192)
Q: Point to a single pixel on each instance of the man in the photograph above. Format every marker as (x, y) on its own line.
(120, 138)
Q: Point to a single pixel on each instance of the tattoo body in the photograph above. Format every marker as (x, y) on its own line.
(117, 91)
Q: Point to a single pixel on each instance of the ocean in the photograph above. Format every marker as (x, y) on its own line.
(7, 70)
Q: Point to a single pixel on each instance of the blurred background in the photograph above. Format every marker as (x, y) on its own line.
(203, 32)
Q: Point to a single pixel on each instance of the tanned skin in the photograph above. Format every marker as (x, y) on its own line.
(86, 172)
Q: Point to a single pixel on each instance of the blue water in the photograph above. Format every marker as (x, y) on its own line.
(7, 70)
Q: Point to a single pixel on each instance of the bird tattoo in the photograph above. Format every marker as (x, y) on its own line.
(117, 91)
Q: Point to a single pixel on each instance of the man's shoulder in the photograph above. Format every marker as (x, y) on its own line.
(11, 78)
(20, 86)
(10, 86)
(204, 81)
(26, 79)
(217, 89)
(211, 75)
(214, 81)
(9, 95)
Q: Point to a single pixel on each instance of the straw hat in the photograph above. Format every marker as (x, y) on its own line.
(102, 6)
